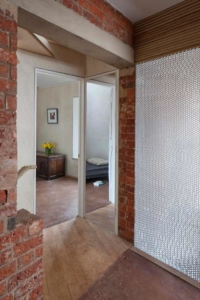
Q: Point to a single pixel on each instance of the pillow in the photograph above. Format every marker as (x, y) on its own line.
(98, 161)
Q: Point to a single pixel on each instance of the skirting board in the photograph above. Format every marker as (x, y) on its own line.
(166, 267)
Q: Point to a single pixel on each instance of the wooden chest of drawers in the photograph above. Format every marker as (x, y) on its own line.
(50, 166)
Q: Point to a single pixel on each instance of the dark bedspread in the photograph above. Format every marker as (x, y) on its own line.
(93, 171)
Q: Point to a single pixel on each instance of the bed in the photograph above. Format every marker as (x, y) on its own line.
(93, 171)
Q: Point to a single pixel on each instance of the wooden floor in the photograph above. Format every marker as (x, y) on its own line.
(103, 217)
(76, 253)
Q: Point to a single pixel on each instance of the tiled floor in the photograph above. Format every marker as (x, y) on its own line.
(57, 200)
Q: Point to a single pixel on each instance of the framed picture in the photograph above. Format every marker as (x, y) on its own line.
(52, 116)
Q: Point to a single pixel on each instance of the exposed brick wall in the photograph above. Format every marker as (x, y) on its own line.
(103, 15)
(20, 232)
(8, 90)
(21, 273)
(126, 153)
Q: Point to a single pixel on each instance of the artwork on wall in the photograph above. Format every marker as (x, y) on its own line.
(52, 116)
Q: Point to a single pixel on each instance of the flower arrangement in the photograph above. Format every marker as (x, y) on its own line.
(48, 147)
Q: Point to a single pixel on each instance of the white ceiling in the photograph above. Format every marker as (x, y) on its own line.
(45, 79)
(136, 10)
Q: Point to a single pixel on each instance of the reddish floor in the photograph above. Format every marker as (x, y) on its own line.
(132, 277)
(57, 200)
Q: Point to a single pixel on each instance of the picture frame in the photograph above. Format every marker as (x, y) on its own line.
(52, 116)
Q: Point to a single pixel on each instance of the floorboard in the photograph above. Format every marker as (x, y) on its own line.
(76, 254)
(103, 217)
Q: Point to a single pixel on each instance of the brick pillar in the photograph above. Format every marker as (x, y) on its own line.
(20, 232)
(126, 153)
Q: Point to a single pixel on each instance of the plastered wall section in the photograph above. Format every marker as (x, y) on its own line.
(98, 120)
(26, 121)
(60, 97)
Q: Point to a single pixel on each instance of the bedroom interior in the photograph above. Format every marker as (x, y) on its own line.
(57, 173)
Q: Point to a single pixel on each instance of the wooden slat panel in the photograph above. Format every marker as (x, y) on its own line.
(172, 30)
(174, 12)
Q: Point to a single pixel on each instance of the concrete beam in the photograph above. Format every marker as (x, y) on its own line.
(50, 19)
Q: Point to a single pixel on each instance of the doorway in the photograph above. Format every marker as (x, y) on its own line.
(101, 144)
(57, 99)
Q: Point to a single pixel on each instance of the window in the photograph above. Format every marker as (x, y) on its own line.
(75, 127)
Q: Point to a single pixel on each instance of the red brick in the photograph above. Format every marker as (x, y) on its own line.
(36, 227)
(36, 293)
(7, 270)
(5, 257)
(7, 118)
(13, 237)
(8, 166)
(1, 227)
(4, 70)
(8, 25)
(130, 196)
(96, 11)
(8, 297)
(68, 3)
(121, 214)
(130, 203)
(130, 92)
(129, 166)
(28, 286)
(13, 73)
(4, 42)
(77, 9)
(25, 259)
(122, 115)
(98, 3)
(12, 196)
(39, 251)
(7, 210)
(109, 10)
(130, 174)
(122, 179)
(122, 208)
(122, 222)
(129, 233)
(11, 102)
(17, 279)
(130, 136)
(27, 245)
(1, 107)
(83, 3)
(13, 41)
(8, 56)
(2, 288)
(130, 181)
(94, 20)
(3, 196)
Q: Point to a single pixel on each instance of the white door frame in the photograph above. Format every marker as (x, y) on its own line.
(116, 128)
(81, 161)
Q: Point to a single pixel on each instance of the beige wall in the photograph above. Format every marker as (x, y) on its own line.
(95, 67)
(97, 120)
(26, 121)
(61, 134)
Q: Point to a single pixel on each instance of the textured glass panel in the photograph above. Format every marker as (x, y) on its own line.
(167, 196)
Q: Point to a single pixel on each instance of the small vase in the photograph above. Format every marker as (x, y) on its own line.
(47, 151)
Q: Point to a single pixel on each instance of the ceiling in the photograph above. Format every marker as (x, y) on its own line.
(45, 79)
(136, 10)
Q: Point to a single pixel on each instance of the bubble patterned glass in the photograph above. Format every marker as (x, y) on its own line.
(167, 192)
